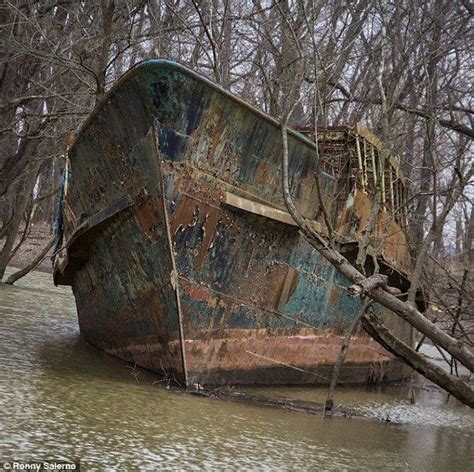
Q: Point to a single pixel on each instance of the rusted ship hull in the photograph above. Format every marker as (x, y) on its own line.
(179, 251)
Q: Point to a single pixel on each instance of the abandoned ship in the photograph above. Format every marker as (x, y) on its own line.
(180, 251)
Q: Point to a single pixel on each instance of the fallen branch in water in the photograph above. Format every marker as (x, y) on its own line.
(452, 384)
(289, 404)
(34, 264)
(375, 287)
(329, 404)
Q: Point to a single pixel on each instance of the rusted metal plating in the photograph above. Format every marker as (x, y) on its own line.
(180, 252)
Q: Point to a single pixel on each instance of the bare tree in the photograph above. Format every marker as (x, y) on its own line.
(401, 68)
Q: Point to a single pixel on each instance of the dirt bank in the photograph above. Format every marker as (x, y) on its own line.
(38, 238)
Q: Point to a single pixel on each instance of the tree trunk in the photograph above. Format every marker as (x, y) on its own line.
(328, 406)
(5, 253)
(454, 385)
(406, 311)
(35, 263)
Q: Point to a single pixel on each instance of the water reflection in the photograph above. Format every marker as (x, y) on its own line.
(61, 399)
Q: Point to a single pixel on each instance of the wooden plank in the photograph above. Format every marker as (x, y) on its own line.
(258, 209)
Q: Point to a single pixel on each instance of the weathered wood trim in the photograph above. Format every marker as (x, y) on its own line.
(258, 209)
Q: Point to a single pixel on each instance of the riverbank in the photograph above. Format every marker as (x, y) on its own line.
(62, 399)
(38, 238)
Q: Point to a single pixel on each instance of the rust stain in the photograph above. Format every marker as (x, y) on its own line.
(264, 171)
(246, 353)
(388, 239)
(147, 216)
(203, 247)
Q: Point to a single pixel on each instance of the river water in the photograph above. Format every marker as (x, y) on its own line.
(63, 400)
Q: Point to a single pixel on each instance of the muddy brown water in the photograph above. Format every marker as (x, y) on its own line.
(63, 400)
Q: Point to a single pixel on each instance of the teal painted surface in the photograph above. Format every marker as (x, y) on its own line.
(199, 124)
(163, 125)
